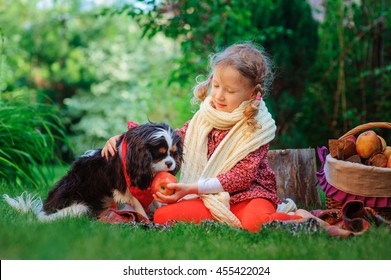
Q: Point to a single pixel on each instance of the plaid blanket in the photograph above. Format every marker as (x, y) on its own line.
(352, 219)
(121, 213)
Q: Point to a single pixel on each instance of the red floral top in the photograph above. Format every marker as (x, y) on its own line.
(251, 177)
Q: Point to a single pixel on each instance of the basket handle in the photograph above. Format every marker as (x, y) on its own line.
(365, 127)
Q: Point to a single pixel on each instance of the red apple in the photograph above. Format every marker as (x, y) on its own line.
(159, 183)
(351, 138)
(368, 144)
(387, 152)
(389, 162)
(383, 143)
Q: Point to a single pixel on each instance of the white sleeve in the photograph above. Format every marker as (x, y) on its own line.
(209, 185)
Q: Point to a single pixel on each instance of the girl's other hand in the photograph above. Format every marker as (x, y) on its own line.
(181, 190)
(110, 148)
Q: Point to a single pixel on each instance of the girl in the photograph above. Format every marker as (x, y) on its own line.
(225, 175)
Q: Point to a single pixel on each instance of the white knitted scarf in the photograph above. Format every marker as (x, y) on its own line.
(238, 143)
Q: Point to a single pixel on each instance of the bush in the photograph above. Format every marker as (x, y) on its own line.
(29, 135)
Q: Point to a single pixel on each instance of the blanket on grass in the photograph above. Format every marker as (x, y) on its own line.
(121, 213)
(352, 219)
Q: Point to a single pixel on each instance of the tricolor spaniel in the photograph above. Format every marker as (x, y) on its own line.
(94, 181)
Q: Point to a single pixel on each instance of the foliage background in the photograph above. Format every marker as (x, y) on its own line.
(72, 72)
(98, 65)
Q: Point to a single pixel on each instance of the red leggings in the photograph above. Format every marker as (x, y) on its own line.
(252, 213)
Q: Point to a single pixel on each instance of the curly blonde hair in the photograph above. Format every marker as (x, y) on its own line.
(252, 63)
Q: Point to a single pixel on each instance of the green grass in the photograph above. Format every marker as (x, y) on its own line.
(23, 237)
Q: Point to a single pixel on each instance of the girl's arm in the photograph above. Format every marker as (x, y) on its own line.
(181, 190)
(240, 177)
(203, 186)
(243, 174)
(110, 148)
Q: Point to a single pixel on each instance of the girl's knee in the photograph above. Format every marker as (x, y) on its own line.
(254, 223)
(161, 216)
(254, 213)
(184, 211)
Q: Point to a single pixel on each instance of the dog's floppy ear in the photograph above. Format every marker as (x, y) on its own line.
(138, 162)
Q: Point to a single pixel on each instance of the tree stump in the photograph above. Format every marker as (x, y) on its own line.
(296, 175)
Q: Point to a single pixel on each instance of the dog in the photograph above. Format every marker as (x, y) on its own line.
(93, 182)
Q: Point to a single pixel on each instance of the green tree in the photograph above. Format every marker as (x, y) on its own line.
(350, 83)
(44, 46)
(130, 78)
(31, 132)
(285, 28)
(97, 69)
(319, 92)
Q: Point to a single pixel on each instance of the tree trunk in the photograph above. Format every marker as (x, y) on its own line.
(295, 173)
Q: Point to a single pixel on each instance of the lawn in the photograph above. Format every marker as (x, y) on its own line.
(22, 237)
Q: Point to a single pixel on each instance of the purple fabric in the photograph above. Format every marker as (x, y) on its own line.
(340, 196)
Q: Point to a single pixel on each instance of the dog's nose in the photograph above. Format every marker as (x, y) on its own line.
(168, 163)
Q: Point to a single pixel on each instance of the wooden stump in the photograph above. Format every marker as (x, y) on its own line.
(295, 173)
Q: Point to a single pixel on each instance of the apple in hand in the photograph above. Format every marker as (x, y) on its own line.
(368, 144)
(160, 181)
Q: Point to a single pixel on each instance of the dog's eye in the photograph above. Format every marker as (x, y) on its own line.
(162, 150)
(173, 149)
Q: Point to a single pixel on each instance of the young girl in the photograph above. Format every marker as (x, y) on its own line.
(225, 175)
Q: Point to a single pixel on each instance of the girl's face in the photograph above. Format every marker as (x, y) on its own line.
(229, 89)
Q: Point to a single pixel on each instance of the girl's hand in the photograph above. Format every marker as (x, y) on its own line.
(110, 148)
(181, 189)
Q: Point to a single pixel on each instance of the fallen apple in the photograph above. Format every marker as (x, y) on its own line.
(160, 182)
(368, 144)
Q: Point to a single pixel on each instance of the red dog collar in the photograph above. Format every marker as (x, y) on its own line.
(145, 196)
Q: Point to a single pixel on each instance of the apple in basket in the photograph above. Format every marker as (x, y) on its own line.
(387, 152)
(389, 162)
(368, 144)
(351, 138)
(383, 143)
(160, 181)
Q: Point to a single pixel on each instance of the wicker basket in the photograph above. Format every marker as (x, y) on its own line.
(333, 204)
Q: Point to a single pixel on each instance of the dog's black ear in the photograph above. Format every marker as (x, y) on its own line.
(138, 162)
